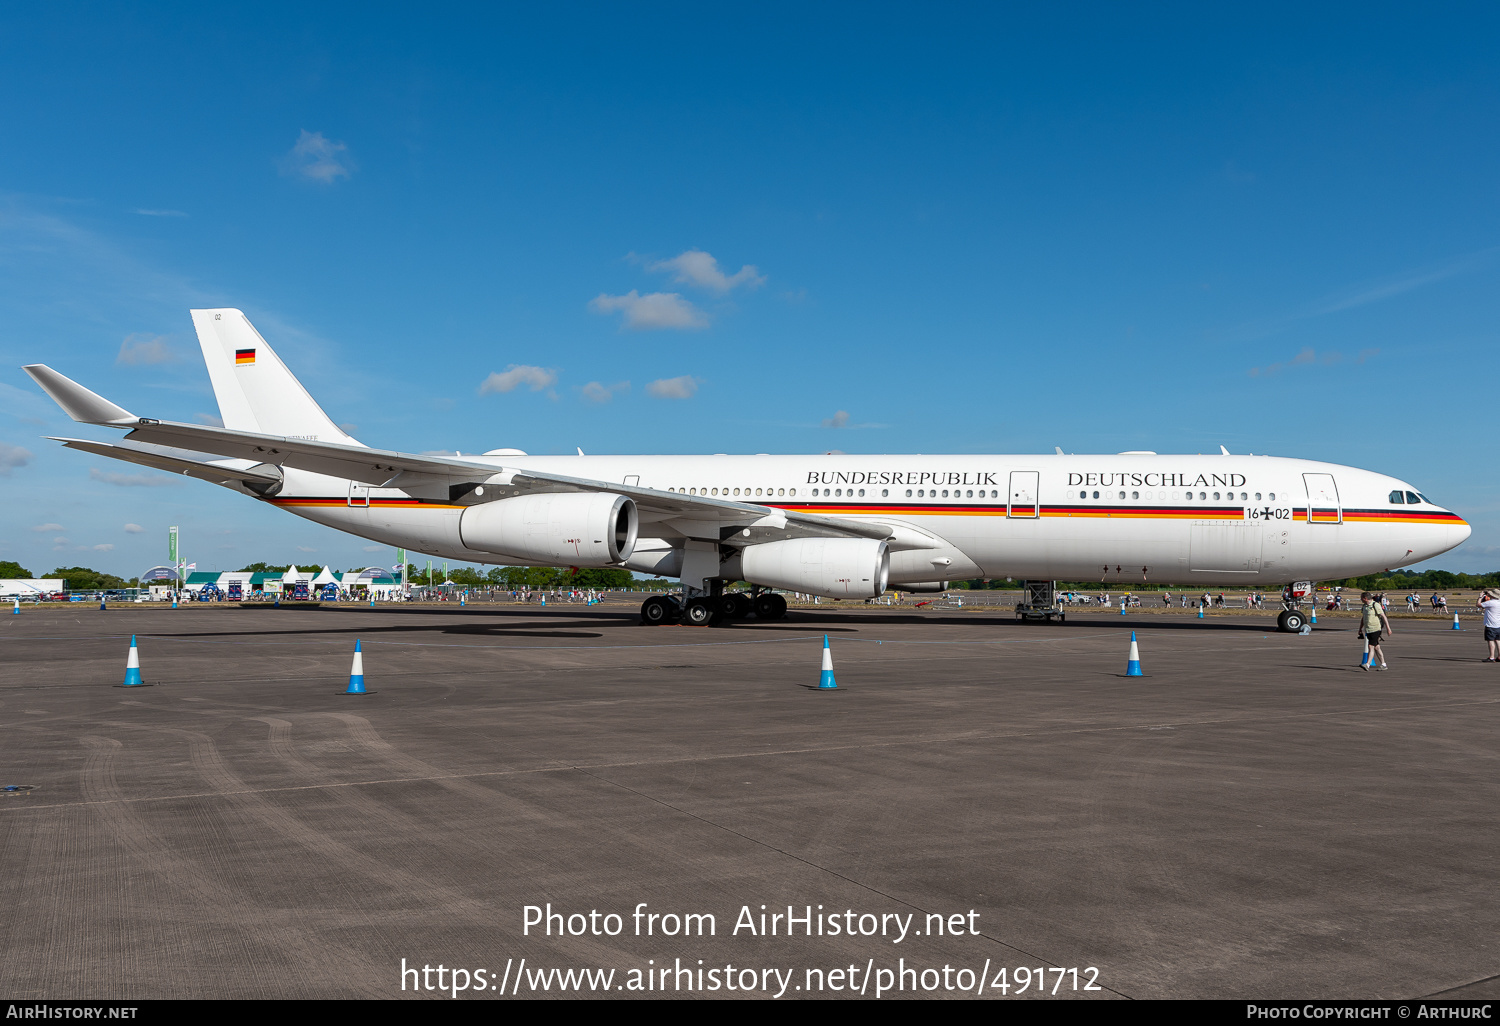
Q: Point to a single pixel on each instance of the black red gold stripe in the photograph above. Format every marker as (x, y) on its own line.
(1232, 513)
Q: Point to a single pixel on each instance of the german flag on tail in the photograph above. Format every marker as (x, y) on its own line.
(243, 357)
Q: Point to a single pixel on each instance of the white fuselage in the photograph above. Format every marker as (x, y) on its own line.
(1187, 520)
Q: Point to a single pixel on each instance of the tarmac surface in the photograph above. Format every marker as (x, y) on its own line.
(1256, 817)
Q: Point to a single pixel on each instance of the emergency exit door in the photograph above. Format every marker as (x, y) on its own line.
(1322, 499)
(359, 494)
(1023, 493)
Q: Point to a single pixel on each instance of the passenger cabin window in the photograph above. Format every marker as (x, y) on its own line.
(1396, 498)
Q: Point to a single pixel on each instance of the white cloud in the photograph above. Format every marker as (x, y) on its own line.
(695, 267)
(58, 544)
(537, 378)
(140, 349)
(374, 548)
(11, 457)
(654, 310)
(160, 213)
(838, 420)
(317, 158)
(45, 528)
(674, 388)
(134, 529)
(598, 392)
(131, 480)
(305, 548)
(106, 547)
(1307, 357)
(211, 419)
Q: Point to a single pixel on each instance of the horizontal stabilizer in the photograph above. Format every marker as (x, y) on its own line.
(175, 462)
(82, 405)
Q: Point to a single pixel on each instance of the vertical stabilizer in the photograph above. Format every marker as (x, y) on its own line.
(255, 390)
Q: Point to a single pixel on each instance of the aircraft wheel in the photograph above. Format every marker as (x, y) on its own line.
(1290, 621)
(699, 612)
(770, 606)
(735, 605)
(657, 610)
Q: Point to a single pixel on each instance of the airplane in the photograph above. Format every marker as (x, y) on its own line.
(833, 525)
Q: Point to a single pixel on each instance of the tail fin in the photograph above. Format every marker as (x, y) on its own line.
(255, 390)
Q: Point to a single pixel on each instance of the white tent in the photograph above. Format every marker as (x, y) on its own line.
(326, 577)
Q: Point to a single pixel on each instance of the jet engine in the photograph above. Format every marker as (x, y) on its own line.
(833, 567)
(554, 528)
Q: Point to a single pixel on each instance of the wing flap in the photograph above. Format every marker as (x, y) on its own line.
(177, 462)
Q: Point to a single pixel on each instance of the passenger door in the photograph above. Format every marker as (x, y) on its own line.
(1322, 499)
(1023, 494)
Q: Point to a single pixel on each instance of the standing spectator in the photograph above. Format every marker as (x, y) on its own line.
(1489, 605)
(1166, 600)
(1373, 626)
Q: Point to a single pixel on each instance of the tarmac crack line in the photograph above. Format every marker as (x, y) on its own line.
(813, 865)
(1461, 986)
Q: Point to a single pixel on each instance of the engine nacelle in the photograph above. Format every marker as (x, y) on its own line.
(554, 528)
(833, 567)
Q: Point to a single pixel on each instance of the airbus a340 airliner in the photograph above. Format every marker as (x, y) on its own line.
(833, 525)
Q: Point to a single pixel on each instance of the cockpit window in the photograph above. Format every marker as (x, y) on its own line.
(1396, 498)
(1426, 499)
(1412, 498)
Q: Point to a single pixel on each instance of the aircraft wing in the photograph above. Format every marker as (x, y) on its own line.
(692, 516)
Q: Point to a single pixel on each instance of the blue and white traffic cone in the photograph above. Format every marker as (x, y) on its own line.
(16, 611)
(1200, 610)
(174, 601)
(1313, 613)
(825, 680)
(1122, 607)
(101, 607)
(357, 673)
(1364, 660)
(1133, 667)
(1455, 623)
(463, 600)
(132, 667)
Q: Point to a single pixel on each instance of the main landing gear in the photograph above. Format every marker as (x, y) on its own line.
(709, 610)
(1290, 621)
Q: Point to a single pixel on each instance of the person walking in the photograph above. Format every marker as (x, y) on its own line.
(1373, 626)
(1489, 605)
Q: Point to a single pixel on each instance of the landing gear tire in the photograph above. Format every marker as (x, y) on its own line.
(769, 606)
(736, 605)
(657, 610)
(1290, 621)
(700, 612)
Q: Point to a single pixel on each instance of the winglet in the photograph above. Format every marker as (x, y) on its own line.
(82, 405)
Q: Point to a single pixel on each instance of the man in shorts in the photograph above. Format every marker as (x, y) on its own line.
(1373, 626)
(1489, 605)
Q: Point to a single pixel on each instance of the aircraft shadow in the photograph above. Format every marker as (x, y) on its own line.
(369, 630)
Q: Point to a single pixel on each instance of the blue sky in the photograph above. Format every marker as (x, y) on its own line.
(883, 228)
